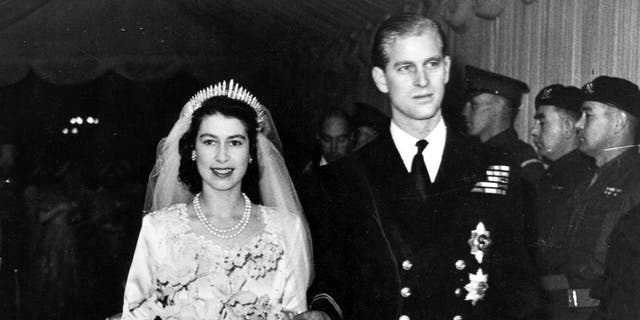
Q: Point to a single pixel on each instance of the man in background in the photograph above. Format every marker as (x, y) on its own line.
(494, 101)
(336, 136)
(608, 133)
(555, 135)
(370, 122)
(335, 139)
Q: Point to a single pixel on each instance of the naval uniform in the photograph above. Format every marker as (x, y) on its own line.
(384, 253)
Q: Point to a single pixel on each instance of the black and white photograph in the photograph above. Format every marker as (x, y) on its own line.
(320, 160)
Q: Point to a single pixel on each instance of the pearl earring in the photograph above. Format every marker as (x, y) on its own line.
(193, 155)
(250, 160)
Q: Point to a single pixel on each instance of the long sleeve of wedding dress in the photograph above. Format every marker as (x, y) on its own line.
(140, 279)
(297, 280)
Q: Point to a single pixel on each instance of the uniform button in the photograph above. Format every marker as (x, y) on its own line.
(405, 292)
(457, 317)
(458, 292)
(404, 317)
(460, 264)
(407, 265)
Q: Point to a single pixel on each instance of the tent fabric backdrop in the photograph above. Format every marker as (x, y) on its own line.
(72, 41)
(14, 10)
(569, 42)
(540, 42)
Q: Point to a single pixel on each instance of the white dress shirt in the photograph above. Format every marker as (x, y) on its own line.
(432, 154)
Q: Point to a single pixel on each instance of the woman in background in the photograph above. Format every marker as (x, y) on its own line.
(56, 203)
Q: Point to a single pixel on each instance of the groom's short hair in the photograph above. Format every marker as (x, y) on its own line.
(400, 26)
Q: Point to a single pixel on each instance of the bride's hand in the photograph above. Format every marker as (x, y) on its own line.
(312, 315)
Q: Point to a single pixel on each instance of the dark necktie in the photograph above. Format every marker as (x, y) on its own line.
(419, 171)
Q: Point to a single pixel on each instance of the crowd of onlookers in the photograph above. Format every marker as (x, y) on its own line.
(69, 226)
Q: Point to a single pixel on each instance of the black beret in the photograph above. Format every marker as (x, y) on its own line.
(479, 81)
(622, 94)
(568, 98)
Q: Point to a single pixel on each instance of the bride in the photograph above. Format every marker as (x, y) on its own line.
(207, 251)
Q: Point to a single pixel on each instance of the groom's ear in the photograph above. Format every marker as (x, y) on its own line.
(380, 79)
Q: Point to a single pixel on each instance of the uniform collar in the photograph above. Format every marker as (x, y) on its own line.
(621, 160)
(322, 162)
(432, 154)
(569, 160)
(503, 138)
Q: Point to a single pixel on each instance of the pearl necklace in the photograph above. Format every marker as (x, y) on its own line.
(223, 233)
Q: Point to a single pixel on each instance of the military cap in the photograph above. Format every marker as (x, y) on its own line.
(622, 94)
(479, 81)
(568, 98)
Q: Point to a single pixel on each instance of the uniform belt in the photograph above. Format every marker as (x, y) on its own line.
(580, 298)
(574, 298)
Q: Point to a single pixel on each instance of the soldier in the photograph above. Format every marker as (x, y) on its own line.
(494, 100)
(608, 129)
(558, 109)
(493, 105)
(421, 223)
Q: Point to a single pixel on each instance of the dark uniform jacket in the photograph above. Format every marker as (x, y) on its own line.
(524, 160)
(520, 153)
(551, 210)
(384, 254)
(620, 293)
(597, 206)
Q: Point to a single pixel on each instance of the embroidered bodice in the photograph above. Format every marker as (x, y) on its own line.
(178, 274)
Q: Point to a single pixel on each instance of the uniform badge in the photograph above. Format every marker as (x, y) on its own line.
(588, 88)
(479, 242)
(496, 182)
(612, 192)
(477, 286)
(546, 94)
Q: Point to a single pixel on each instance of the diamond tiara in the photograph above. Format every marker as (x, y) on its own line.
(234, 91)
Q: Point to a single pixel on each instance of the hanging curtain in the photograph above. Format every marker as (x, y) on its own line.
(549, 41)
(14, 10)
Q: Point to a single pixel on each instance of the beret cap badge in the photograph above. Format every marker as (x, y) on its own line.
(588, 88)
(546, 93)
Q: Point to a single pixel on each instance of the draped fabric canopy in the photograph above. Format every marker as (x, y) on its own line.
(553, 41)
(307, 55)
(75, 41)
(71, 41)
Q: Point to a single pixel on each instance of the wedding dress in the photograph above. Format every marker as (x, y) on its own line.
(178, 274)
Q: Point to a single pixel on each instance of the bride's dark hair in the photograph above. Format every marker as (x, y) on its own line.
(188, 171)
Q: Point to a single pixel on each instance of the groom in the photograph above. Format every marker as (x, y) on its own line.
(420, 223)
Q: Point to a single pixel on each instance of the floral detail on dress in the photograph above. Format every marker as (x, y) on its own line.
(480, 242)
(477, 286)
(202, 281)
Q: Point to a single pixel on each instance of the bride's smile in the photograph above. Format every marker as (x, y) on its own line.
(222, 152)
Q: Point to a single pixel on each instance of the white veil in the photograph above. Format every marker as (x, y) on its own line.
(276, 188)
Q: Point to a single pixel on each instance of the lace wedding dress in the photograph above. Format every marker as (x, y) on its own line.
(178, 274)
